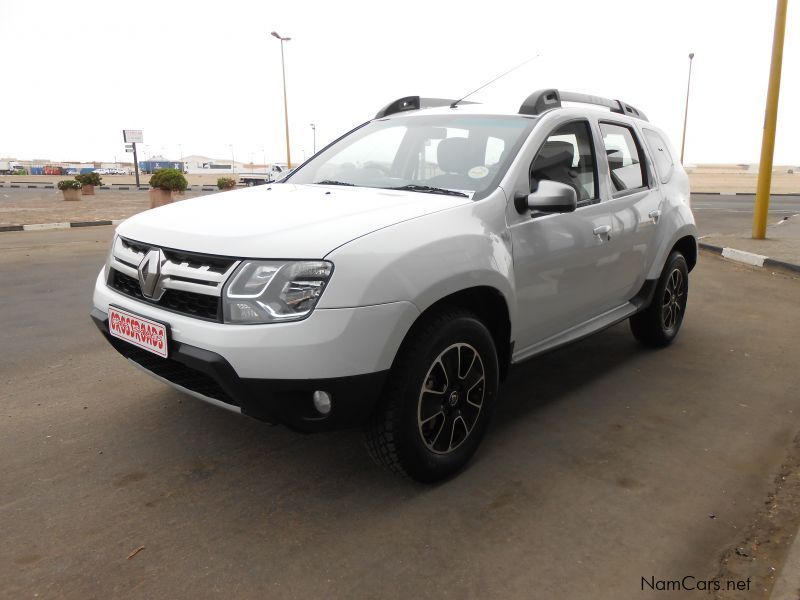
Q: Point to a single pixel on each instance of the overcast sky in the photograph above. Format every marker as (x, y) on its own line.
(206, 75)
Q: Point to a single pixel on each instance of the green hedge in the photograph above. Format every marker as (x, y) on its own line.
(89, 178)
(168, 179)
(69, 184)
(226, 183)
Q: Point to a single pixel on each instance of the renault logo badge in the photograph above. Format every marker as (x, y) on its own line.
(150, 273)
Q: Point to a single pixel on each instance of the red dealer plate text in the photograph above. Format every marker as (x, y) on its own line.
(144, 333)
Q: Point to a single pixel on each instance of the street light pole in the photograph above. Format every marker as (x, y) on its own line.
(285, 103)
(314, 133)
(686, 110)
(233, 160)
(770, 124)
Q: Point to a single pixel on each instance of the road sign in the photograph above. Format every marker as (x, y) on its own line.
(128, 147)
(133, 135)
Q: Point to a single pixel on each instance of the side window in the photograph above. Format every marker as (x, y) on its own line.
(567, 156)
(624, 159)
(661, 154)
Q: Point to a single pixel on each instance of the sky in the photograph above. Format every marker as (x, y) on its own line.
(205, 77)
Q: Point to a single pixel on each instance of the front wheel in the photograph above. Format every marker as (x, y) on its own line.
(438, 400)
(659, 323)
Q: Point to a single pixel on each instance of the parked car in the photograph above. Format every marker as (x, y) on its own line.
(392, 280)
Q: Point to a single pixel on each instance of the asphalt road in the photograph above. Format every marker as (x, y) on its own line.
(734, 214)
(604, 464)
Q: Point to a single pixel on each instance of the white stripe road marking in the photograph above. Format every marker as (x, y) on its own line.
(748, 258)
(40, 226)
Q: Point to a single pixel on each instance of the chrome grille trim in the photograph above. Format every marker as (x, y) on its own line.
(191, 273)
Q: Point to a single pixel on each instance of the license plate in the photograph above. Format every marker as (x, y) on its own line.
(144, 333)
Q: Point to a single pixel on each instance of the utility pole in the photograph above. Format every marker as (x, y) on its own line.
(285, 103)
(136, 164)
(686, 110)
(770, 124)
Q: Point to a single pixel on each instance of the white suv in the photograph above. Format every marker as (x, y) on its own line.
(392, 279)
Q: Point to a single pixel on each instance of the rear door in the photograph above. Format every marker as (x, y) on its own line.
(633, 200)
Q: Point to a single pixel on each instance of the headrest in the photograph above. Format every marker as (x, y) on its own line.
(452, 155)
(554, 154)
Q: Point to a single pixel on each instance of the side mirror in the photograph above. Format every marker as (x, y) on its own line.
(549, 197)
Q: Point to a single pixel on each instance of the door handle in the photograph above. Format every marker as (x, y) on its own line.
(654, 214)
(603, 230)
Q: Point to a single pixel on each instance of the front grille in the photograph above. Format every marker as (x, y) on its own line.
(175, 372)
(188, 283)
(191, 304)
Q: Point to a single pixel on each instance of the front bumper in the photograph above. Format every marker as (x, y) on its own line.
(286, 401)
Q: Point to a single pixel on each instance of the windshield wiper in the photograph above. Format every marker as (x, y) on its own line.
(332, 182)
(428, 189)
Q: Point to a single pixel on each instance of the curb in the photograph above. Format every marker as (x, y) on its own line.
(749, 258)
(68, 225)
(787, 583)
(109, 187)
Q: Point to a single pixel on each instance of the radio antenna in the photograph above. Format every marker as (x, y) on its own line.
(522, 64)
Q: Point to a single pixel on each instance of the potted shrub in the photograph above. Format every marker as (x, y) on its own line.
(88, 181)
(226, 183)
(70, 188)
(164, 182)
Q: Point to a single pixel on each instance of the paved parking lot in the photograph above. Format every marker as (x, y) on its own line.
(727, 214)
(605, 463)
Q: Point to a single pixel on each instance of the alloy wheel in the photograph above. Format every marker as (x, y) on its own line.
(674, 300)
(451, 398)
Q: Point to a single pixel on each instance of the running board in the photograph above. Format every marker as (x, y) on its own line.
(598, 323)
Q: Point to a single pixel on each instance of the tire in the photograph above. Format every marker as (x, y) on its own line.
(430, 393)
(660, 322)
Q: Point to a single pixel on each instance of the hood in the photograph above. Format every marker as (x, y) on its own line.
(280, 221)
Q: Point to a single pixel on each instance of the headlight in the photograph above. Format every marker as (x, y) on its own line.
(262, 291)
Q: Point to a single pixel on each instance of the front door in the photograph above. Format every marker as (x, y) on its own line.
(562, 262)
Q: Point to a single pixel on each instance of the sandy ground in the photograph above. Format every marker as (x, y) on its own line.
(24, 207)
(703, 179)
(732, 180)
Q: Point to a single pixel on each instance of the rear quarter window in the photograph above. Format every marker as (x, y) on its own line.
(661, 154)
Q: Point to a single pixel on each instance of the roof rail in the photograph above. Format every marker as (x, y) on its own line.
(542, 100)
(413, 103)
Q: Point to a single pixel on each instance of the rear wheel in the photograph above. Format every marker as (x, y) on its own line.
(660, 322)
(439, 399)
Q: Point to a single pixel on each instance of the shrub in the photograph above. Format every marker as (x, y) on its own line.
(168, 179)
(20, 172)
(226, 183)
(69, 184)
(89, 178)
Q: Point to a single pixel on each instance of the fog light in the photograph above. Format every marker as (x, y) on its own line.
(322, 402)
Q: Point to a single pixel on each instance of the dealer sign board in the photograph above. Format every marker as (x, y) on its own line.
(133, 136)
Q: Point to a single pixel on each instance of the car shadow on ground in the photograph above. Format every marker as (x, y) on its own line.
(548, 378)
(204, 441)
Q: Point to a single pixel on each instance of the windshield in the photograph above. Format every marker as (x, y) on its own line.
(456, 154)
